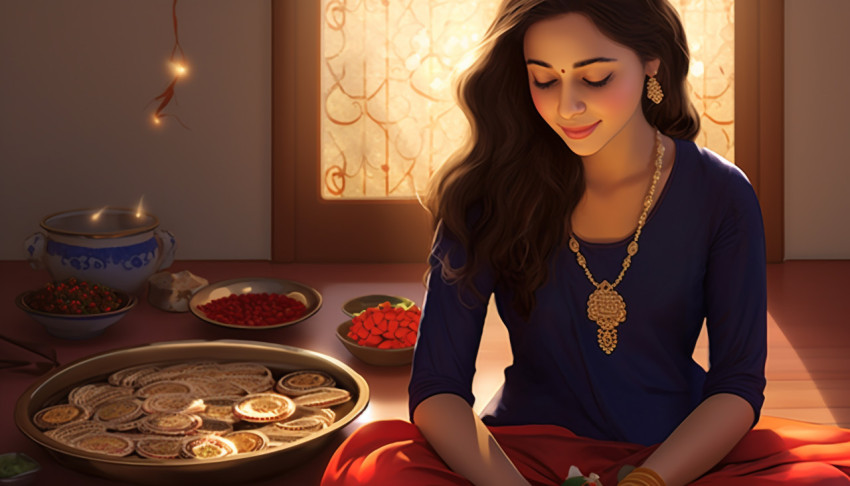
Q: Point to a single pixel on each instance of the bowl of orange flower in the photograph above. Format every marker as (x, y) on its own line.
(383, 334)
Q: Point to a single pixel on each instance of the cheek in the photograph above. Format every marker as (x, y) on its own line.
(543, 103)
(620, 98)
(538, 103)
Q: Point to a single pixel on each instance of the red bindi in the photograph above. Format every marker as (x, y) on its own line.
(562, 71)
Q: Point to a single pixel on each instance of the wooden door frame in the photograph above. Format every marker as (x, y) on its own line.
(759, 111)
(348, 236)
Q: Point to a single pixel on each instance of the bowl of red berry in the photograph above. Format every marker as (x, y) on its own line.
(384, 334)
(75, 309)
(255, 303)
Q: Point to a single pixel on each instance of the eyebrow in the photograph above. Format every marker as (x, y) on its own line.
(576, 65)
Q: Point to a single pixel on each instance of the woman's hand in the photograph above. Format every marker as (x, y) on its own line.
(642, 476)
(463, 441)
(701, 440)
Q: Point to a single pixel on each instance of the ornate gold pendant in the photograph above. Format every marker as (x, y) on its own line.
(606, 307)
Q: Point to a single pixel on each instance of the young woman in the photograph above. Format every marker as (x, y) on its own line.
(607, 238)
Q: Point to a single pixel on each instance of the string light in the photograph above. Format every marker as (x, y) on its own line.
(179, 68)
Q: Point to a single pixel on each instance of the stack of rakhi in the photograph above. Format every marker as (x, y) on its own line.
(196, 410)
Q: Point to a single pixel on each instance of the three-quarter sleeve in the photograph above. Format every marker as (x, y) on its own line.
(736, 297)
(450, 328)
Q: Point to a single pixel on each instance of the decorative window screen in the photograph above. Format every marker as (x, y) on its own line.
(710, 27)
(388, 116)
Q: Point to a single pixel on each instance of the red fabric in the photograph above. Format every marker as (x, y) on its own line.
(776, 452)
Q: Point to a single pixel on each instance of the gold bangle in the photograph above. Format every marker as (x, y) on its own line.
(642, 476)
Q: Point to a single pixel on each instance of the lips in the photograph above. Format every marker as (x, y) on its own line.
(577, 133)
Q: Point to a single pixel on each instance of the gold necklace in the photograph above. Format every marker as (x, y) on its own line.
(605, 306)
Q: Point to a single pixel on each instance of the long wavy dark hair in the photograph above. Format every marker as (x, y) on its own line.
(515, 172)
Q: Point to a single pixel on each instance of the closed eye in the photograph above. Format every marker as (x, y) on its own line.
(544, 85)
(595, 84)
(600, 83)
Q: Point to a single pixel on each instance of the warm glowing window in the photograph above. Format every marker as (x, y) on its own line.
(710, 26)
(388, 117)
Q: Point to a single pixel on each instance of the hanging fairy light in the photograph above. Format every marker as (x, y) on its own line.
(177, 62)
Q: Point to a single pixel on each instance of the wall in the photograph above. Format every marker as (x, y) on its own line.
(817, 127)
(77, 79)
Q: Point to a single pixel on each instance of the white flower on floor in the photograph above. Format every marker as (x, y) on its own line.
(576, 478)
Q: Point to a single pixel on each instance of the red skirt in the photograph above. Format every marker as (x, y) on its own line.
(776, 452)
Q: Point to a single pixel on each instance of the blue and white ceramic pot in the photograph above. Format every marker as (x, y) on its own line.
(116, 247)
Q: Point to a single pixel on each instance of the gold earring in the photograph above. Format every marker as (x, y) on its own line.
(653, 90)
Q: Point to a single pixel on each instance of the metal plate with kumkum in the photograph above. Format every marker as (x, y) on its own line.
(255, 285)
(323, 397)
(300, 382)
(264, 407)
(58, 415)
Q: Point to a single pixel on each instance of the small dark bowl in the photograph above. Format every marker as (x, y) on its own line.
(77, 326)
(360, 304)
(372, 355)
(25, 477)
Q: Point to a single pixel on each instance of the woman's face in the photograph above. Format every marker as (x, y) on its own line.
(586, 87)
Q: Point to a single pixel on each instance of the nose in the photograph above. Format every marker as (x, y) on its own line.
(570, 103)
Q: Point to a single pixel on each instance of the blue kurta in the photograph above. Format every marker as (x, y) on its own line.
(701, 258)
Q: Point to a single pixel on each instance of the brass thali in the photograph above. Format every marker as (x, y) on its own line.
(240, 469)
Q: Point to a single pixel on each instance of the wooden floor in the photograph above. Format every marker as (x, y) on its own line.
(808, 363)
